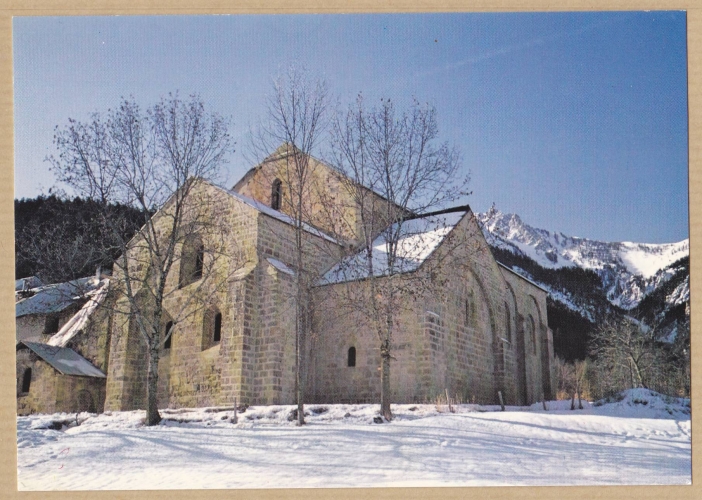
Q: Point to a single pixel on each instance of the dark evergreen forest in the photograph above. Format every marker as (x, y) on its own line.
(59, 239)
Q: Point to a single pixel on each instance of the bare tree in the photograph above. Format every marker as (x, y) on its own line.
(394, 169)
(156, 161)
(625, 355)
(294, 124)
(571, 379)
(580, 370)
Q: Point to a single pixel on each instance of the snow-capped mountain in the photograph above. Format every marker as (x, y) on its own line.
(628, 271)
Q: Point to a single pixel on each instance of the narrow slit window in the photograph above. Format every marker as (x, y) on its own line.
(192, 261)
(508, 324)
(169, 335)
(276, 194)
(351, 357)
(217, 327)
(26, 380)
(199, 262)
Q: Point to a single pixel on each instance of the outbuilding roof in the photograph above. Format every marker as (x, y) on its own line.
(55, 298)
(66, 361)
(24, 284)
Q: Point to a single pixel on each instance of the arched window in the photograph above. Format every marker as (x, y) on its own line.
(26, 380)
(276, 194)
(169, 335)
(211, 328)
(352, 357)
(192, 260)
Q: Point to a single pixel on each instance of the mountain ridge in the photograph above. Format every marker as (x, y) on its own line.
(629, 271)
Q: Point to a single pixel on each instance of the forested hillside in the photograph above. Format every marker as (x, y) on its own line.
(62, 239)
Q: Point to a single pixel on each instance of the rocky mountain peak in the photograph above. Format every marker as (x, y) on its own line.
(629, 271)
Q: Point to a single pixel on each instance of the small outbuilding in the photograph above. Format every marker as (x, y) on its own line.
(56, 379)
(63, 369)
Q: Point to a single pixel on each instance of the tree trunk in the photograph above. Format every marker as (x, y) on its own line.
(636, 370)
(152, 415)
(299, 353)
(385, 380)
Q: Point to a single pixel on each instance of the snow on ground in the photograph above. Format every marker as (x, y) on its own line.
(639, 437)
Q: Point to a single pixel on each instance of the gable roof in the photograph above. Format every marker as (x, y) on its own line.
(55, 298)
(418, 239)
(275, 214)
(285, 150)
(66, 361)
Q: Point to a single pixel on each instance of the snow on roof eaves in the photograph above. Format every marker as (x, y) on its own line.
(280, 266)
(55, 298)
(265, 209)
(420, 237)
(76, 324)
(65, 360)
(522, 277)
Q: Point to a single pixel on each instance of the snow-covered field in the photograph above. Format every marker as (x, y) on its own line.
(642, 439)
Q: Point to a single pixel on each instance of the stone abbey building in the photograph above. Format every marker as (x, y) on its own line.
(482, 331)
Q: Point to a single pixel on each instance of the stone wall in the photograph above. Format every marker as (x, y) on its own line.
(253, 362)
(51, 392)
(533, 347)
(32, 327)
(271, 310)
(457, 331)
(195, 371)
(467, 330)
(330, 202)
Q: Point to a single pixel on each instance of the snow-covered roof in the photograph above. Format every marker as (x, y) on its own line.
(74, 325)
(418, 239)
(65, 360)
(55, 298)
(27, 283)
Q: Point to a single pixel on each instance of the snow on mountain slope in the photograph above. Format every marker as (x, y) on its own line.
(681, 294)
(629, 271)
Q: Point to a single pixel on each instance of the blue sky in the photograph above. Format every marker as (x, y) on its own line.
(575, 121)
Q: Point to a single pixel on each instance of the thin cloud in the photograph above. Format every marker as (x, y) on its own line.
(491, 54)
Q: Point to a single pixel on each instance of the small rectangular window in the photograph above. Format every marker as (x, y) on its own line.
(26, 380)
(51, 325)
(351, 361)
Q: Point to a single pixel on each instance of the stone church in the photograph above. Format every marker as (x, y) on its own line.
(484, 332)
